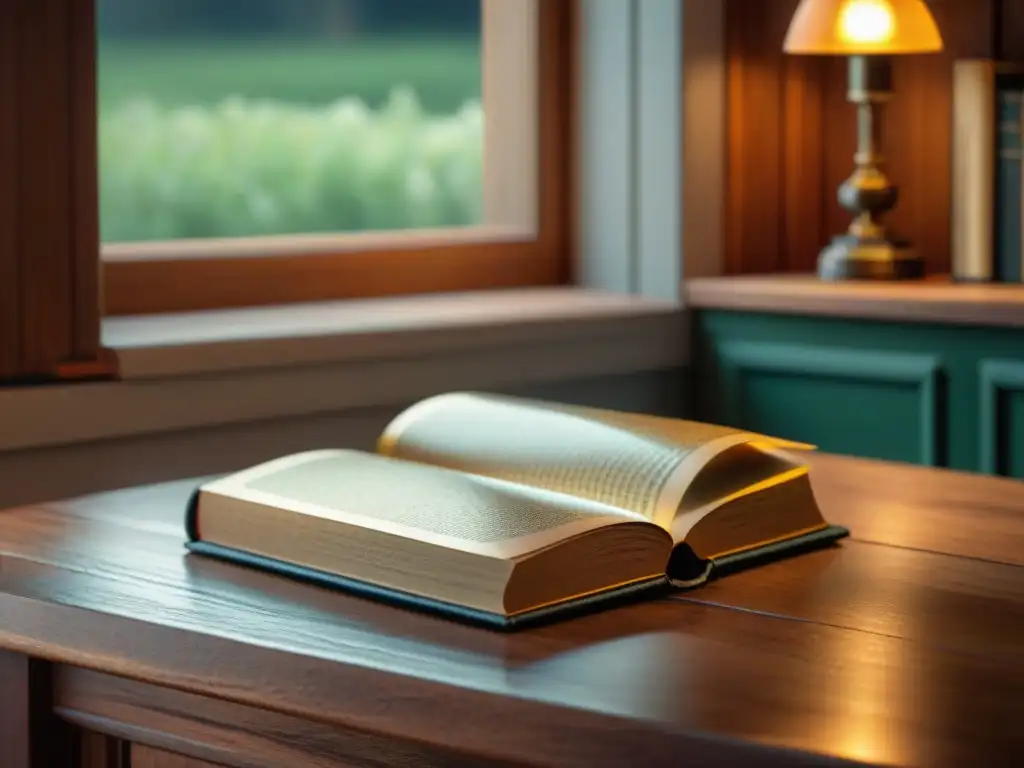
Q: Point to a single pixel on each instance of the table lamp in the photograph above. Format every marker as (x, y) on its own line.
(868, 31)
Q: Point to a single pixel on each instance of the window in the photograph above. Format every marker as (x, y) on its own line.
(51, 276)
(226, 119)
(280, 151)
(59, 140)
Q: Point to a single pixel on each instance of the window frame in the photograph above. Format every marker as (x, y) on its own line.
(49, 265)
(651, 89)
(49, 235)
(164, 277)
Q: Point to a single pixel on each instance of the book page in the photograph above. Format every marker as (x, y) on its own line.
(431, 504)
(736, 472)
(635, 462)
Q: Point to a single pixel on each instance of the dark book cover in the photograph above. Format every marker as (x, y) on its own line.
(1008, 213)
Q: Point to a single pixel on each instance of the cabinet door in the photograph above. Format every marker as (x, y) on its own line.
(1001, 416)
(943, 395)
(862, 401)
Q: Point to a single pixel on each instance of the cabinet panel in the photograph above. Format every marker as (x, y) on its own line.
(1001, 417)
(31, 734)
(946, 395)
(186, 730)
(864, 403)
(97, 750)
(1014, 465)
(14, 714)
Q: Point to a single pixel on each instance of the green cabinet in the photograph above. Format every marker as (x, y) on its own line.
(929, 394)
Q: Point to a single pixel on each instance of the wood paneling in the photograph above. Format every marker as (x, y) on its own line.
(14, 719)
(10, 301)
(45, 207)
(792, 134)
(31, 736)
(49, 243)
(754, 31)
(84, 227)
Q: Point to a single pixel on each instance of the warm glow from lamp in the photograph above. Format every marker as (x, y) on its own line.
(867, 32)
(857, 27)
(865, 22)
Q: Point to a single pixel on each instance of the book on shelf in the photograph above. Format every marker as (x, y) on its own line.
(507, 511)
(987, 206)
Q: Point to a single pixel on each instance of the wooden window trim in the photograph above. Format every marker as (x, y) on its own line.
(403, 264)
(49, 240)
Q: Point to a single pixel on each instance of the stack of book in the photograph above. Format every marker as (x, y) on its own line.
(987, 222)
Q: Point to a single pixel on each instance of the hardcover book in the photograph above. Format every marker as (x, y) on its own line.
(507, 512)
(986, 227)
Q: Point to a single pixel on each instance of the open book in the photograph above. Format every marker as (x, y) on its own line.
(508, 511)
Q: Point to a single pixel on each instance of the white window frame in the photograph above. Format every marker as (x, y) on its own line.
(650, 206)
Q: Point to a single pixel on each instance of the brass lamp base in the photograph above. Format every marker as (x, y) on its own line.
(865, 251)
(849, 257)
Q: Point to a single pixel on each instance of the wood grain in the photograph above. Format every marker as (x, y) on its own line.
(144, 757)
(14, 710)
(31, 736)
(45, 199)
(84, 182)
(231, 734)
(806, 197)
(146, 286)
(98, 750)
(936, 300)
(49, 318)
(1011, 30)
(937, 600)
(754, 32)
(634, 700)
(10, 296)
(915, 507)
(898, 646)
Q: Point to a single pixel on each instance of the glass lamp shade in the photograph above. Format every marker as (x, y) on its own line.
(861, 27)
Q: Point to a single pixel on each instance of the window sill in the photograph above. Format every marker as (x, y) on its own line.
(209, 368)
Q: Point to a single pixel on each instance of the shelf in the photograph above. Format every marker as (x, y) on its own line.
(933, 300)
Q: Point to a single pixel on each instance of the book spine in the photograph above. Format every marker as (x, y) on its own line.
(1018, 273)
(1009, 224)
(974, 152)
(192, 516)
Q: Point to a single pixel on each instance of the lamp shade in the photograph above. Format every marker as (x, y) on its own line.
(859, 27)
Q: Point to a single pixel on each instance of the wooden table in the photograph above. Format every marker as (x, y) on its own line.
(905, 644)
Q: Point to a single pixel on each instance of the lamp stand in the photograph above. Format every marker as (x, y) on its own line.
(865, 252)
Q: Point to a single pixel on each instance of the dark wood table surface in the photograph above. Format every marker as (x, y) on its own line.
(902, 645)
